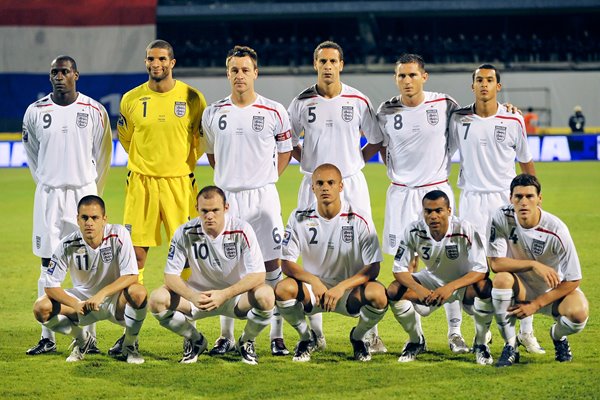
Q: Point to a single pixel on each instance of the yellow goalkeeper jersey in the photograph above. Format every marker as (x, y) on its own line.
(162, 132)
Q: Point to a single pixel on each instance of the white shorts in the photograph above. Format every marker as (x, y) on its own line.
(431, 282)
(535, 289)
(227, 309)
(55, 215)
(356, 192)
(477, 208)
(404, 205)
(340, 307)
(107, 311)
(261, 208)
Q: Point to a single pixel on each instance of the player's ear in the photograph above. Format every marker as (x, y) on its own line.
(425, 76)
(226, 207)
(173, 62)
(76, 73)
(341, 65)
(341, 186)
(498, 86)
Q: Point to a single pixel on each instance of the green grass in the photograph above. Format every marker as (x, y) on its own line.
(571, 191)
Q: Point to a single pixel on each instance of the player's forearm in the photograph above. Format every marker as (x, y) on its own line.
(283, 159)
(369, 150)
(466, 280)
(211, 160)
(563, 289)
(505, 264)
(383, 153)
(178, 285)
(366, 274)
(406, 279)
(293, 270)
(58, 294)
(117, 286)
(245, 284)
(527, 168)
(297, 153)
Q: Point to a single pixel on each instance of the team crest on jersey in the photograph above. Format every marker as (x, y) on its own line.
(230, 250)
(399, 253)
(180, 107)
(347, 233)
(452, 252)
(82, 120)
(106, 254)
(500, 133)
(258, 123)
(347, 113)
(392, 238)
(537, 247)
(433, 117)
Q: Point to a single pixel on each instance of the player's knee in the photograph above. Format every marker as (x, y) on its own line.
(137, 295)
(394, 291)
(263, 297)
(159, 300)
(287, 289)
(42, 309)
(577, 311)
(503, 280)
(375, 295)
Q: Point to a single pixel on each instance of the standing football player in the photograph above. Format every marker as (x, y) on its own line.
(248, 143)
(333, 116)
(68, 142)
(537, 270)
(489, 138)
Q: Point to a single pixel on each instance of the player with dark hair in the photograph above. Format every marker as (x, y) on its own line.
(248, 143)
(537, 270)
(456, 270)
(101, 261)
(489, 138)
(68, 143)
(415, 149)
(340, 263)
(333, 116)
(227, 278)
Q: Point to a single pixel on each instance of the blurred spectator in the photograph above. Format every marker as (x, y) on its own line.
(577, 120)
(531, 121)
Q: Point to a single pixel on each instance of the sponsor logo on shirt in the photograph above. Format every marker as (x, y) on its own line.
(38, 242)
(82, 120)
(347, 233)
(500, 133)
(106, 254)
(452, 252)
(537, 247)
(180, 107)
(258, 123)
(230, 250)
(347, 113)
(433, 117)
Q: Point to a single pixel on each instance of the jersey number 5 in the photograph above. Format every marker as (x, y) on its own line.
(312, 117)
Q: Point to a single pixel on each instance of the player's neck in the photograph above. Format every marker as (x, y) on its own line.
(330, 210)
(162, 86)
(486, 108)
(413, 101)
(243, 99)
(329, 91)
(64, 99)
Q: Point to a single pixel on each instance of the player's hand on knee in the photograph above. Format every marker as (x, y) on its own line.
(331, 298)
(319, 290)
(80, 308)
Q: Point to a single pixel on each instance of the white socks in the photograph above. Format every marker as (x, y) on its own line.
(502, 299)
(405, 314)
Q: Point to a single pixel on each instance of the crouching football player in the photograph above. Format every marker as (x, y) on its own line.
(537, 270)
(103, 269)
(456, 269)
(227, 278)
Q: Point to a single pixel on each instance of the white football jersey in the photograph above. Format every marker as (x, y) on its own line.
(488, 147)
(458, 253)
(549, 243)
(68, 145)
(332, 128)
(331, 249)
(92, 269)
(246, 142)
(417, 139)
(215, 263)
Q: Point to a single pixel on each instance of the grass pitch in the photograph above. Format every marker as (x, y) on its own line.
(570, 190)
